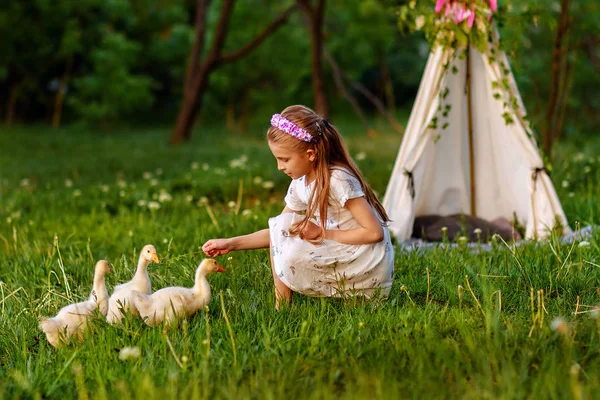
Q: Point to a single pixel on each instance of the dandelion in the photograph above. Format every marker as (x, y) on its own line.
(584, 243)
(579, 157)
(571, 194)
(68, 183)
(147, 175)
(129, 353)
(203, 201)
(24, 182)
(587, 169)
(565, 184)
(462, 239)
(237, 163)
(246, 212)
(194, 165)
(76, 193)
(205, 167)
(559, 325)
(105, 188)
(205, 341)
(184, 359)
(477, 231)
(153, 205)
(268, 185)
(257, 180)
(142, 203)
(165, 240)
(361, 324)
(420, 22)
(122, 193)
(444, 229)
(164, 196)
(595, 312)
(229, 258)
(231, 204)
(360, 156)
(154, 182)
(220, 171)
(16, 214)
(130, 233)
(9, 220)
(189, 198)
(159, 171)
(121, 183)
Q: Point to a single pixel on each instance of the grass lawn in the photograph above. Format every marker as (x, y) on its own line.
(457, 324)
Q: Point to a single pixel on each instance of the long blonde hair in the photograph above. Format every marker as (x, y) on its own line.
(330, 152)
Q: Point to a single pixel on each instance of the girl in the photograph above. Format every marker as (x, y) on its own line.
(331, 238)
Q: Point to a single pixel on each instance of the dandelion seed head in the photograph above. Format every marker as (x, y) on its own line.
(477, 231)
(231, 204)
(268, 184)
(147, 175)
(360, 156)
(559, 325)
(76, 193)
(153, 205)
(246, 212)
(194, 165)
(565, 184)
(68, 183)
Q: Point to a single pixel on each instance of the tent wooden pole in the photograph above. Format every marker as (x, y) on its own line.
(470, 127)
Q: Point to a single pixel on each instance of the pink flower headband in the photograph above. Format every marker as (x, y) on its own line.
(283, 124)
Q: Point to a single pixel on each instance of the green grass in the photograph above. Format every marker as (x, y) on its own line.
(457, 324)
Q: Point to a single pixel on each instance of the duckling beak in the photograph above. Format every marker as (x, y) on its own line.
(220, 269)
(155, 258)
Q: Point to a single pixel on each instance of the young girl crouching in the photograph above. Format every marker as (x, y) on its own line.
(331, 240)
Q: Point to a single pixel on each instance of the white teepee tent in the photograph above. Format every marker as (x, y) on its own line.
(467, 149)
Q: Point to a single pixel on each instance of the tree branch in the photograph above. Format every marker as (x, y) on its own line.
(245, 50)
(220, 32)
(198, 45)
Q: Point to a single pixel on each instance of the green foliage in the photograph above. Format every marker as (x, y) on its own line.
(112, 90)
(458, 323)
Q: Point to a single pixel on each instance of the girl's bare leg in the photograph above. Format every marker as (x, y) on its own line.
(283, 294)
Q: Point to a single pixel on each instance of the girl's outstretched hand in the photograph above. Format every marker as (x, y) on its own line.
(216, 247)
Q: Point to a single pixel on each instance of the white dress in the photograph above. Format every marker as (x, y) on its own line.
(330, 269)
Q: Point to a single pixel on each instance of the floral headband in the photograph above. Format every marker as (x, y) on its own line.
(283, 124)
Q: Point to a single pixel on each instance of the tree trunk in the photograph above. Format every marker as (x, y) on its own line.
(557, 54)
(60, 94)
(198, 74)
(245, 110)
(12, 101)
(388, 87)
(315, 17)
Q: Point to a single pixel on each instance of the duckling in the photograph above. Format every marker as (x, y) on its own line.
(122, 298)
(71, 320)
(172, 302)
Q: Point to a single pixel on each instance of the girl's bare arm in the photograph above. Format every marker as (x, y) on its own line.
(370, 230)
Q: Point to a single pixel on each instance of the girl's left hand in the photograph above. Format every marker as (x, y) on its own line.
(311, 232)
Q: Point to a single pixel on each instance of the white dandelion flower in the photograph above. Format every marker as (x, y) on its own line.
(565, 184)
(76, 193)
(246, 212)
(587, 169)
(142, 203)
(203, 201)
(444, 229)
(571, 194)
(205, 167)
(584, 243)
(159, 171)
(231, 204)
(189, 198)
(121, 183)
(268, 185)
(153, 182)
(360, 156)
(165, 240)
(122, 193)
(164, 196)
(153, 205)
(257, 180)
(462, 239)
(129, 353)
(130, 233)
(477, 231)
(69, 183)
(220, 171)
(194, 165)
(24, 182)
(147, 175)
(105, 188)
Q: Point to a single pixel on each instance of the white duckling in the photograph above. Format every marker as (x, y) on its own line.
(172, 302)
(122, 298)
(71, 320)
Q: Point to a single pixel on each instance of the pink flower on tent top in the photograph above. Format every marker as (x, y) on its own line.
(439, 4)
(460, 13)
(471, 17)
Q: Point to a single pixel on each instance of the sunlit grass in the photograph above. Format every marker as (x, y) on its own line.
(497, 324)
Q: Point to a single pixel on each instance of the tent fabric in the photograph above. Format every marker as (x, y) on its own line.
(431, 174)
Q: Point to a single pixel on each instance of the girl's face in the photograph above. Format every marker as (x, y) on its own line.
(292, 162)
